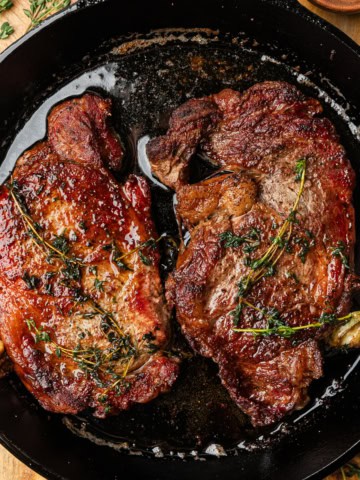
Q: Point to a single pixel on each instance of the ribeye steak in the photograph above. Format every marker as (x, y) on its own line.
(82, 312)
(271, 239)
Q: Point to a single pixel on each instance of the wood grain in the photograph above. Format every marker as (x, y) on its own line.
(350, 24)
(343, 6)
(10, 467)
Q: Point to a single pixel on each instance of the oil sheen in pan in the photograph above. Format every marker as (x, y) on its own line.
(196, 418)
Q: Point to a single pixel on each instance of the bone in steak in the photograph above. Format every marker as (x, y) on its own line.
(271, 243)
(84, 325)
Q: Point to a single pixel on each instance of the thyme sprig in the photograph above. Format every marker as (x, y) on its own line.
(91, 360)
(151, 243)
(276, 325)
(265, 265)
(39, 10)
(59, 248)
(279, 243)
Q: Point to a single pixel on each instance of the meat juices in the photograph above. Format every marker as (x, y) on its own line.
(262, 136)
(82, 313)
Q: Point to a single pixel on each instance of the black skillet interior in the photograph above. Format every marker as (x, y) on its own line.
(257, 40)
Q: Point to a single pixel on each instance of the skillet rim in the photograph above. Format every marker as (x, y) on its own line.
(291, 5)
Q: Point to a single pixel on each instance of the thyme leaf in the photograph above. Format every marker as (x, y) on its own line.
(145, 260)
(99, 284)
(338, 251)
(61, 244)
(82, 226)
(251, 240)
(236, 314)
(5, 5)
(300, 168)
(116, 256)
(305, 246)
(40, 334)
(72, 271)
(31, 281)
(6, 30)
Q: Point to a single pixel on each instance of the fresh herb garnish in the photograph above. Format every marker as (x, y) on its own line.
(82, 226)
(92, 360)
(93, 269)
(31, 281)
(149, 336)
(99, 284)
(299, 169)
(39, 10)
(276, 326)
(5, 5)
(145, 260)
(251, 240)
(265, 265)
(40, 334)
(305, 246)
(6, 30)
(59, 248)
(270, 272)
(116, 257)
(260, 266)
(236, 314)
(61, 244)
(72, 271)
(338, 251)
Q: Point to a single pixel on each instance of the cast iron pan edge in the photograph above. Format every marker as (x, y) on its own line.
(49, 473)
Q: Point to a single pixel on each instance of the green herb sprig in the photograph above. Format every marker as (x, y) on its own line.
(276, 326)
(265, 265)
(151, 243)
(92, 360)
(338, 251)
(39, 10)
(59, 247)
(251, 240)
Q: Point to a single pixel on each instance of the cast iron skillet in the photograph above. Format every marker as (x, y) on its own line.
(250, 41)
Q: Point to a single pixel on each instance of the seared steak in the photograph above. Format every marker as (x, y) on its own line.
(271, 245)
(82, 313)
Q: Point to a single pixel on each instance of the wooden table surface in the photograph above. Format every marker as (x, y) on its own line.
(10, 467)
